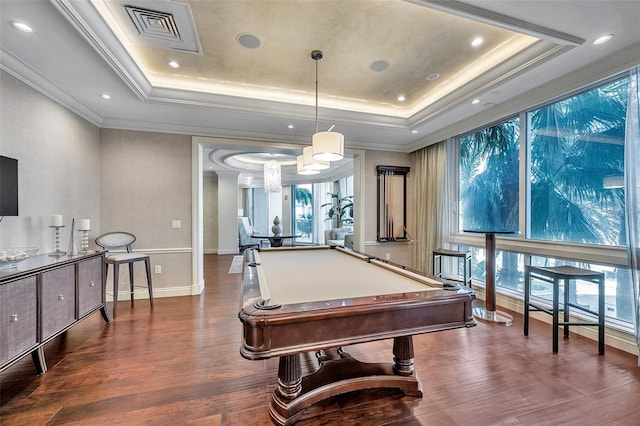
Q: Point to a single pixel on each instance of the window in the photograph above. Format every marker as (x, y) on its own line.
(577, 167)
(489, 164)
(303, 212)
(573, 189)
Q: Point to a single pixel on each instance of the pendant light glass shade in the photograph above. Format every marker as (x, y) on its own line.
(300, 167)
(312, 163)
(272, 177)
(328, 146)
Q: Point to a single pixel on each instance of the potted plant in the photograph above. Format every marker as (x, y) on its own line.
(341, 209)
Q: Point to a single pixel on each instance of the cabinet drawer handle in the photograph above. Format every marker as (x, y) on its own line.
(14, 318)
(60, 297)
(92, 284)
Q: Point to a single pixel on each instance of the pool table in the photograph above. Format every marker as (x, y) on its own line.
(303, 304)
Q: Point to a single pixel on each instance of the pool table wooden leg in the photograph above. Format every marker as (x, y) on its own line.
(289, 377)
(403, 355)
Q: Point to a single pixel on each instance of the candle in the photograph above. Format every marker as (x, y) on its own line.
(56, 220)
(84, 225)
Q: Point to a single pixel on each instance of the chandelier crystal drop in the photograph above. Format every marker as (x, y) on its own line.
(272, 177)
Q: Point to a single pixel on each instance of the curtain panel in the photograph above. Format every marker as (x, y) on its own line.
(432, 201)
(632, 190)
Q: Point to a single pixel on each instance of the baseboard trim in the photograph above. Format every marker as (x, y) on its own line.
(143, 293)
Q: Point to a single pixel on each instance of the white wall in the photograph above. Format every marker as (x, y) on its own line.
(58, 166)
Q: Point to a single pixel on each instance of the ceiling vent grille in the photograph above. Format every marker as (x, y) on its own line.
(159, 24)
(153, 24)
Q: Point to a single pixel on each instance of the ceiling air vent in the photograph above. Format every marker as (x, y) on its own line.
(157, 23)
(153, 23)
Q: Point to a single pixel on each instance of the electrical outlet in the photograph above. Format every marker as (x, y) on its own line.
(176, 224)
(387, 256)
(158, 269)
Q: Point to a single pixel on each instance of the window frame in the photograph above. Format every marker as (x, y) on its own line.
(608, 255)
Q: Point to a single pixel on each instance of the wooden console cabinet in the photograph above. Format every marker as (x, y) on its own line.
(44, 297)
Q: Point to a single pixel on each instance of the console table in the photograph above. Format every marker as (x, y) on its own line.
(45, 296)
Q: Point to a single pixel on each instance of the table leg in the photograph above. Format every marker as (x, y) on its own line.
(488, 312)
(403, 355)
(565, 307)
(556, 294)
(601, 314)
(527, 296)
(289, 377)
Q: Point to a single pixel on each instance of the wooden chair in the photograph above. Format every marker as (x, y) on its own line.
(118, 240)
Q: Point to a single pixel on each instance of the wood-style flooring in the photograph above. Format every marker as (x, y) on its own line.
(180, 364)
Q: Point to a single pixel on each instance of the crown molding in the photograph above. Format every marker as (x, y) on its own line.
(23, 72)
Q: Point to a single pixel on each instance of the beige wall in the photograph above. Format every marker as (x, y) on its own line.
(58, 166)
(400, 252)
(145, 185)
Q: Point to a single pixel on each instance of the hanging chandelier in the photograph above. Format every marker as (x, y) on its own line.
(325, 146)
(272, 177)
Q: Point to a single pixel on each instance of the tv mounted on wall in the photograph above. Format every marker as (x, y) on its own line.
(8, 186)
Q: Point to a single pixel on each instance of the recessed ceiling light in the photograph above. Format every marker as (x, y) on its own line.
(290, 126)
(477, 41)
(603, 39)
(433, 76)
(21, 26)
(414, 131)
(475, 101)
(379, 66)
(105, 96)
(402, 98)
(249, 41)
(174, 64)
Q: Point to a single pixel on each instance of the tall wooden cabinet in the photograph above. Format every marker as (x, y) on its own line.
(45, 296)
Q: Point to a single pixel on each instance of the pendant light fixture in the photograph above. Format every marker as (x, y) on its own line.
(327, 146)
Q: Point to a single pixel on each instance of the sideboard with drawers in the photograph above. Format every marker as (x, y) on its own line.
(45, 296)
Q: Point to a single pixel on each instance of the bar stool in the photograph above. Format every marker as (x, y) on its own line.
(553, 275)
(119, 239)
(464, 255)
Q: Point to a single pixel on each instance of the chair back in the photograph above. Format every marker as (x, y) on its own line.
(115, 240)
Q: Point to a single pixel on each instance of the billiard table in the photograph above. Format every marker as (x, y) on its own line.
(305, 303)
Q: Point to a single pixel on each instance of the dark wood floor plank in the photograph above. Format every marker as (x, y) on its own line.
(179, 363)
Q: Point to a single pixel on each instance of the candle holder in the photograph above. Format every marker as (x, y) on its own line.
(58, 252)
(84, 241)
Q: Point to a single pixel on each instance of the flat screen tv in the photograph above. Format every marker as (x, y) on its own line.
(8, 186)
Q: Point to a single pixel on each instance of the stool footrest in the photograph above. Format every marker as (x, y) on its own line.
(590, 324)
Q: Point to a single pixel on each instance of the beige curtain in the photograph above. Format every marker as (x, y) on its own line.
(434, 209)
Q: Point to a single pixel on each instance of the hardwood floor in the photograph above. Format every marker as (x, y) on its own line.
(180, 364)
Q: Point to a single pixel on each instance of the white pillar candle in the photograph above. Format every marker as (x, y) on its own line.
(84, 225)
(56, 220)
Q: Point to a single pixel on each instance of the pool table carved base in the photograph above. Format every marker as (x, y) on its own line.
(339, 373)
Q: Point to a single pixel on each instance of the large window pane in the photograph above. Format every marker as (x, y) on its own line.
(509, 267)
(577, 163)
(489, 165)
(303, 212)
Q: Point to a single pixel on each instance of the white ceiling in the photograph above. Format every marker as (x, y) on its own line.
(81, 49)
